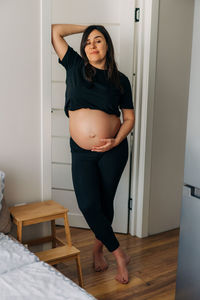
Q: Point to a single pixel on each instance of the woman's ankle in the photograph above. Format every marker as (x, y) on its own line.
(119, 254)
(98, 246)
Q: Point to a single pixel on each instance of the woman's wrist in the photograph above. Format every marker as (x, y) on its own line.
(116, 142)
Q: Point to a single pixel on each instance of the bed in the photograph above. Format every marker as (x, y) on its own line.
(24, 276)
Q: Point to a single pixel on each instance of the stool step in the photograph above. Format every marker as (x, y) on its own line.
(59, 254)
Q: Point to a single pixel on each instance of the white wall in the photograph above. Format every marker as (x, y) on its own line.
(170, 113)
(192, 151)
(20, 106)
(20, 100)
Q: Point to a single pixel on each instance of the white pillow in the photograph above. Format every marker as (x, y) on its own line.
(2, 185)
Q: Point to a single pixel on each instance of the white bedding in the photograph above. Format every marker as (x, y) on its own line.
(13, 255)
(24, 276)
(2, 185)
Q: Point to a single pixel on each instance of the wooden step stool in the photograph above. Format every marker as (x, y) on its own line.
(39, 212)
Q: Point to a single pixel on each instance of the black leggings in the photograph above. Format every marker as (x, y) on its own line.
(95, 178)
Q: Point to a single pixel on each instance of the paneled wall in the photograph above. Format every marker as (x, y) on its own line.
(117, 17)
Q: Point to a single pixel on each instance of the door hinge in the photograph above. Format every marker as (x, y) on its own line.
(130, 204)
(137, 14)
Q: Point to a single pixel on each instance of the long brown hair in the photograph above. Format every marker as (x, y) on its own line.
(113, 74)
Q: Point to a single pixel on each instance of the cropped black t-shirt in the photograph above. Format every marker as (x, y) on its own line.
(99, 94)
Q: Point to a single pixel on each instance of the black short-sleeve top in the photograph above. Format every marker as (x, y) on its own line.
(99, 94)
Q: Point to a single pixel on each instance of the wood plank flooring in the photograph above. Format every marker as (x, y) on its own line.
(152, 270)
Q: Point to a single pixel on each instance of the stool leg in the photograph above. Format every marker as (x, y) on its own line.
(79, 271)
(53, 233)
(19, 231)
(67, 230)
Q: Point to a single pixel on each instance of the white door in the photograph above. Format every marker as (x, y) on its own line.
(118, 18)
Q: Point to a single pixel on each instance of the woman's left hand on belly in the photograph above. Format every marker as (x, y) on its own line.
(109, 144)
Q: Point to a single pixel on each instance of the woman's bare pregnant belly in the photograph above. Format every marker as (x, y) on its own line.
(87, 126)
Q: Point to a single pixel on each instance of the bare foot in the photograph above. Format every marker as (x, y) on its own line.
(122, 261)
(100, 263)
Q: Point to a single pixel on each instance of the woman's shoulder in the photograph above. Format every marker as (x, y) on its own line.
(71, 59)
(123, 78)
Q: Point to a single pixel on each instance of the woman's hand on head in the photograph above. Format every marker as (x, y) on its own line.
(109, 144)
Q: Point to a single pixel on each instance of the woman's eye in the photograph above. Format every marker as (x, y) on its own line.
(88, 43)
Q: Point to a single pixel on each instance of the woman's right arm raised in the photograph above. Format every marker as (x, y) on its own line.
(58, 31)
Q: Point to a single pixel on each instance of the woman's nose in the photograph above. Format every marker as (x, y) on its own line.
(92, 45)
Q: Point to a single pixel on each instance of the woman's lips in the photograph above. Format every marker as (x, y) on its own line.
(95, 52)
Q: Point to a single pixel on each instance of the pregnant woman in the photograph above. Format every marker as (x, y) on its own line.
(95, 92)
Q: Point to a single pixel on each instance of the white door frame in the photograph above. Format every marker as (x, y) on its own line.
(45, 42)
(144, 103)
(144, 100)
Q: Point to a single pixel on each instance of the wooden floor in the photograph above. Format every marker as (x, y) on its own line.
(152, 268)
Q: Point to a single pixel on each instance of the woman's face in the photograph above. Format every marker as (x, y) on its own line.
(96, 48)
